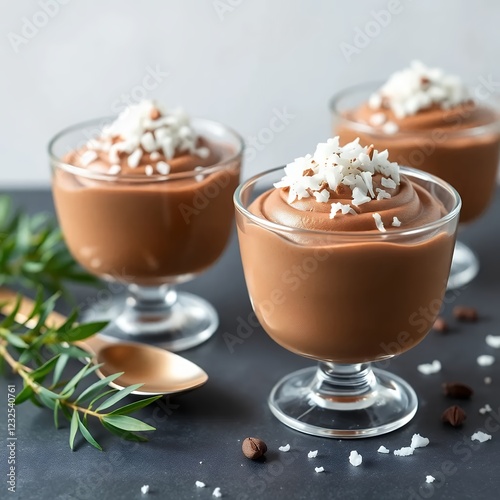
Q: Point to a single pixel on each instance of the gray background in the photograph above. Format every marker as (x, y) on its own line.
(237, 61)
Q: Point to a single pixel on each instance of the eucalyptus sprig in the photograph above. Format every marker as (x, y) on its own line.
(33, 253)
(26, 352)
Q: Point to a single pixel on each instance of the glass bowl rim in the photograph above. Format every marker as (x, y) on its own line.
(353, 235)
(366, 128)
(84, 172)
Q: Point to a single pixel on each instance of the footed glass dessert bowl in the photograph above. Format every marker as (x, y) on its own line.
(347, 247)
(145, 200)
(429, 120)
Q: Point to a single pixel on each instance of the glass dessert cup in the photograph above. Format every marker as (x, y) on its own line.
(463, 154)
(147, 234)
(345, 299)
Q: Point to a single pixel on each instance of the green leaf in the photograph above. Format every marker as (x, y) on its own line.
(15, 340)
(71, 351)
(46, 400)
(40, 373)
(137, 405)
(94, 389)
(62, 361)
(57, 407)
(118, 396)
(73, 429)
(86, 434)
(129, 436)
(24, 394)
(127, 423)
(86, 370)
(82, 332)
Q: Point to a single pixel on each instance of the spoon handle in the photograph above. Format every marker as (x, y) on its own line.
(8, 301)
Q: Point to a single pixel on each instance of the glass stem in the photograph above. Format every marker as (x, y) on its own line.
(342, 384)
(150, 299)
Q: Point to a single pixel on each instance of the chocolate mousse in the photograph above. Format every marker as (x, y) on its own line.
(148, 200)
(428, 120)
(344, 259)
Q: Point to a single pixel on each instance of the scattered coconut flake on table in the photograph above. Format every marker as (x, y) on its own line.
(383, 449)
(355, 458)
(319, 469)
(485, 360)
(217, 493)
(493, 341)
(284, 448)
(145, 489)
(480, 436)
(417, 441)
(487, 380)
(200, 484)
(406, 451)
(429, 368)
(429, 479)
(312, 454)
(485, 409)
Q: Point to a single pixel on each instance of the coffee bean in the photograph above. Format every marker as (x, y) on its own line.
(454, 415)
(440, 325)
(457, 390)
(465, 313)
(253, 448)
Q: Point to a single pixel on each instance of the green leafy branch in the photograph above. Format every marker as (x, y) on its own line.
(25, 351)
(33, 253)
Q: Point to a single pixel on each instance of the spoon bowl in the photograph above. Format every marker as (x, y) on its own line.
(160, 371)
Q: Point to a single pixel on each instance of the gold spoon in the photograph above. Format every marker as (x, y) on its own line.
(161, 372)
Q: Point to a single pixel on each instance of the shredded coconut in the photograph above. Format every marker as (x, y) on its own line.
(377, 119)
(390, 128)
(163, 168)
(406, 451)
(429, 479)
(145, 489)
(331, 166)
(417, 441)
(312, 454)
(480, 436)
(355, 458)
(485, 360)
(284, 448)
(396, 222)
(383, 449)
(149, 170)
(379, 223)
(319, 469)
(485, 409)
(217, 493)
(114, 169)
(487, 380)
(493, 341)
(200, 484)
(88, 157)
(418, 87)
(429, 368)
(147, 126)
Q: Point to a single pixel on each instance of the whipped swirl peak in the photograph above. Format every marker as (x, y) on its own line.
(418, 87)
(334, 168)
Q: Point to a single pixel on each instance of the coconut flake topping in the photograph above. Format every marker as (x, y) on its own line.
(418, 87)
(333, 165)
(146, 127)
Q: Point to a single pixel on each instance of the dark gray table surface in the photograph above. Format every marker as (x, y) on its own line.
(199, 433)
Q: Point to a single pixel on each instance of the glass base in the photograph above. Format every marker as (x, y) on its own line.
(464, 267)
(343, 401)
(171, 320)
